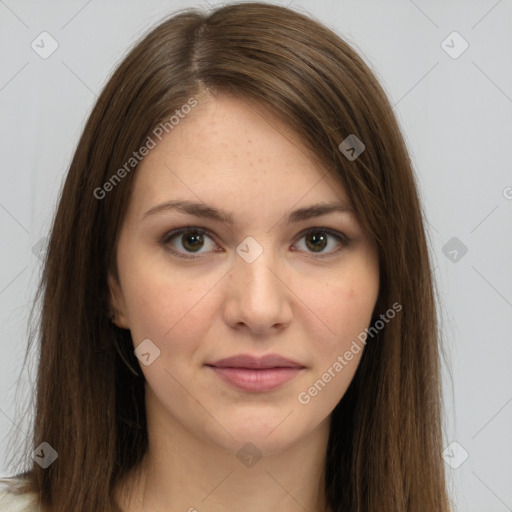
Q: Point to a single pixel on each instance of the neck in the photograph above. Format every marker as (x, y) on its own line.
(181, 472)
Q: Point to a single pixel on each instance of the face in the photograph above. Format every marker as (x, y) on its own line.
(288, 292)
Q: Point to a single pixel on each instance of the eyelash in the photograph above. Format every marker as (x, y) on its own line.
(168, 237)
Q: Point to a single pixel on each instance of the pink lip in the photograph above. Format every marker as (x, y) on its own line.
(256, 373)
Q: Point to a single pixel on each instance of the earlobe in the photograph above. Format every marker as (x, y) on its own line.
(117, 310)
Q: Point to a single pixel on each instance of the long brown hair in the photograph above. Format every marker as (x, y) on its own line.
(384, 450)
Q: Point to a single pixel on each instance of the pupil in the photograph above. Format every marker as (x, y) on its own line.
(317, 238)
(196, 239)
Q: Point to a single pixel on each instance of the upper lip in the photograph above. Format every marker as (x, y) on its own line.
(248, 361)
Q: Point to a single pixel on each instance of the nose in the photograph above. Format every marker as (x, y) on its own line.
(258, 297)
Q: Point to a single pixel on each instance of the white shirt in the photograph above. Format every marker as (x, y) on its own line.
(12, 502)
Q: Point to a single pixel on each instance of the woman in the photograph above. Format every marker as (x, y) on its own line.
(241, 217)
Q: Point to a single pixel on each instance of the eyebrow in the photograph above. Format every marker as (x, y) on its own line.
(209, 212)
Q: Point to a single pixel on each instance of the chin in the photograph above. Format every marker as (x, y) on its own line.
(266, 439)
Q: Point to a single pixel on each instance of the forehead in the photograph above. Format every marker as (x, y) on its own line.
(235, 155)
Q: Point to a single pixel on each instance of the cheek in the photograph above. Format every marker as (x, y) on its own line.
(343, 307)
(168, 308)
(346, 307)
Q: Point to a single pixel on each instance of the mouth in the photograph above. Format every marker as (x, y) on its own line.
(257, 374)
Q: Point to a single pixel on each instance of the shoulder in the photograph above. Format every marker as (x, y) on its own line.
(13, 499)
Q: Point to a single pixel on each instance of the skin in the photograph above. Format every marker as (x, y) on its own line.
(237, 157)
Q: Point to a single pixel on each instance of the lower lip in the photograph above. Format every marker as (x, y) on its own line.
(256, 380)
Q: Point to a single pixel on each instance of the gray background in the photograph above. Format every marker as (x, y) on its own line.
(456, 115)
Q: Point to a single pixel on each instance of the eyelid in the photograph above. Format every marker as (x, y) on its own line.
(179, 231)
(343, 239)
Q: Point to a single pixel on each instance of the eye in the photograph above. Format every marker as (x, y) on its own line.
(317, 239)
(187, 241)
(190, 238)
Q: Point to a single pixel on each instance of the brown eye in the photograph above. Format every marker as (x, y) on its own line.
(318, 239)
(188, 240)
(192, 242)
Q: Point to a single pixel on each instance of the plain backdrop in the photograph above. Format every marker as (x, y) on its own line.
(454, 104)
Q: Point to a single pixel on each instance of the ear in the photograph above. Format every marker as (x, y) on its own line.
(117, 303)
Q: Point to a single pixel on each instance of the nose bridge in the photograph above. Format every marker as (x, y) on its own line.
(255, 262)
(258, 298)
